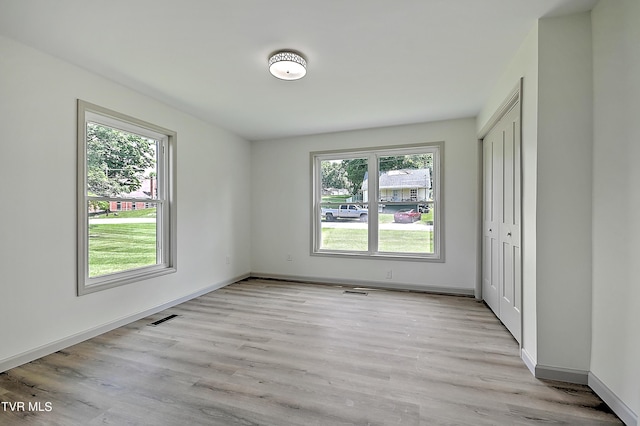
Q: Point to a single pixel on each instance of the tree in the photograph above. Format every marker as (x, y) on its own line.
(411, 162)
(355, 169)
(99, 206)
(334, 175)
(116, 160)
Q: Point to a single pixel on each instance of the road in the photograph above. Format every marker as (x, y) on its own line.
(416, 226)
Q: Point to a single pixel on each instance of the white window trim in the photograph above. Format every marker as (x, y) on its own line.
(166, 206)
(372, 155)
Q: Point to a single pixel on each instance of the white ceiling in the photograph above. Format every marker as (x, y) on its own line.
(371, 63)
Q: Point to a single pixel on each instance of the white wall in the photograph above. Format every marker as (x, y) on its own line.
(38, 302)
(524, 65)
(281, 220)
(616, 199)
(565, 139)
(581, 237)
(38, 167)
(555, 62)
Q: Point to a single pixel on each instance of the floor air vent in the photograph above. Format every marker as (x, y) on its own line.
(165, 319)
(359, 293)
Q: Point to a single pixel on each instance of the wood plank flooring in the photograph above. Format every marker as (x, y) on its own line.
(263, 352)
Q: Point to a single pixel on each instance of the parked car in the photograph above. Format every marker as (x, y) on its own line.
(407, 216)
(346, 211)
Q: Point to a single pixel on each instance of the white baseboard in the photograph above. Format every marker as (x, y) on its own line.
(611, 399)
(584, 378)
(568, 375)
(28, 356)
(539, 371)
(528, 361)
(458, 291)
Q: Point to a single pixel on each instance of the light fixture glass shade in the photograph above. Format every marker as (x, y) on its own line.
(287, 65)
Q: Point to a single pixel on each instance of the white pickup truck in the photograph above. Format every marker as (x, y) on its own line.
(346, 211)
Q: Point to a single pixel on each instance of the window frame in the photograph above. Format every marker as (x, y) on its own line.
(373, 154)
(166, 223)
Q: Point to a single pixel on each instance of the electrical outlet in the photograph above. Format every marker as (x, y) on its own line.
(289, 258)
(228, 260)
(389, 274)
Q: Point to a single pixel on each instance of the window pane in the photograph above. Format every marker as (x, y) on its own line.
(402, 195)
(405, 231)
(406, 178)
(122, 240)
(126, 190)
(349, 235)
(343, 215)
(120, 163)
(406, 204)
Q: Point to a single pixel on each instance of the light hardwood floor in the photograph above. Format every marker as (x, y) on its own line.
(263, 352)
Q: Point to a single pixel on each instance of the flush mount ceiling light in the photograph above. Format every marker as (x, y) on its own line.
(287, 65)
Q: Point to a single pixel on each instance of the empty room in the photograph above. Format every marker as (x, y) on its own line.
(333, 213)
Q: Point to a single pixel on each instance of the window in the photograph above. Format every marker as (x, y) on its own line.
(123, 161)
(397, 214)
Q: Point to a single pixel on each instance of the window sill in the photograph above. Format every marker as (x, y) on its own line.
(410, 257)
(125, 278)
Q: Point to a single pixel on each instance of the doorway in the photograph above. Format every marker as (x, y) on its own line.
(501, 217)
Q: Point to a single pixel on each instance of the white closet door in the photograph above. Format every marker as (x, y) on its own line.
(510, 248)
(502, 260)
(492, 167)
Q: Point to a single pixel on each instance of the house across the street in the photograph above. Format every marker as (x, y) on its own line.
(402, 185)
(146, 191)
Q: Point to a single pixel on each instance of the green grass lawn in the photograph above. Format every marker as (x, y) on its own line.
(393, 241)
(427, 217)
(344, 239)
(405, 241)
(385, 218)
(121, 246)
(335, 198)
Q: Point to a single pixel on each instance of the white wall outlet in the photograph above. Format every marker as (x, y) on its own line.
(228, 260)
(289, 258)
(389, 274)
